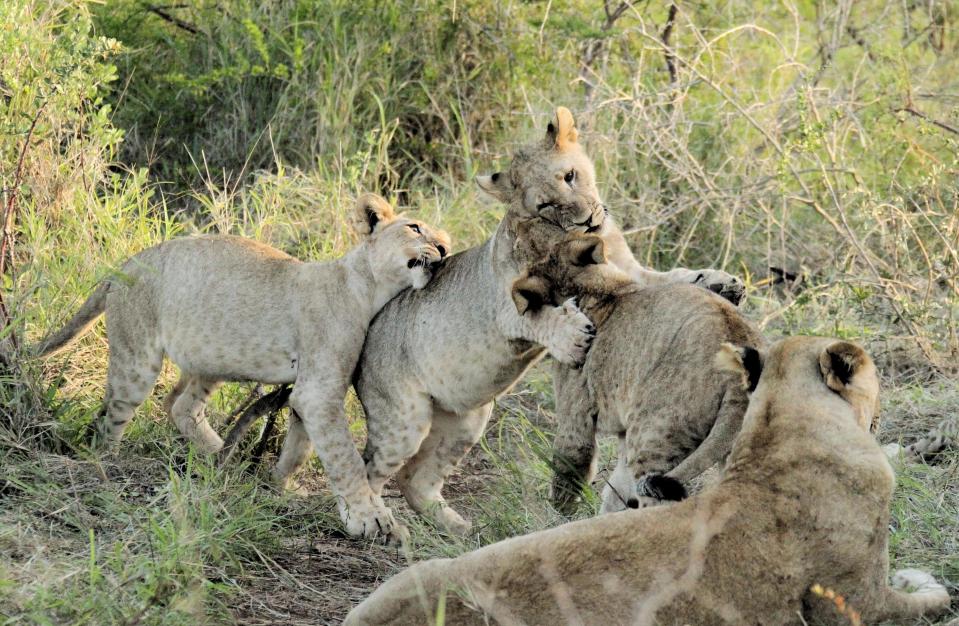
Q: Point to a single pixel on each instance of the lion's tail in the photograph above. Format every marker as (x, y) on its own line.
(719, 441)
(79, 324)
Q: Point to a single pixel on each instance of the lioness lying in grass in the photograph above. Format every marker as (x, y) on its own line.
(799, 517)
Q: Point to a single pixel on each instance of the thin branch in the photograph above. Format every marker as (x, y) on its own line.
(667, 31)
(161, 12)
(923, 116)
(6, 239)
(594, 48)
(856, 36)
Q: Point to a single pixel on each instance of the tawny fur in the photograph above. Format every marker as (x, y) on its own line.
(803, 501)
(227, 308)
(649, 378)
(435, 360)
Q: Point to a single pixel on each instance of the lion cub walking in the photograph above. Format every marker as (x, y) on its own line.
(802, 508)
(226, 309)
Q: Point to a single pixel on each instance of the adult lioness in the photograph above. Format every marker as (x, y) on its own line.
(226, 308)
(434, 360)
(801, 511)
(648, 379)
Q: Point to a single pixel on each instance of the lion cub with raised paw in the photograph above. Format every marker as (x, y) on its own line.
(800, 512)
(225, 308)
(649, 378)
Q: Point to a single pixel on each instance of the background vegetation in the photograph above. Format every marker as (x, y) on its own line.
(819, 139)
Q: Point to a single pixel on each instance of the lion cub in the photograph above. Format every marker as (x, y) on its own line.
(649, 377)
(226, 308)
(802, 507)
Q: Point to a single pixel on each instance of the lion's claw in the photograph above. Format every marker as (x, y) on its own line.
(366, 516)
(572, 335)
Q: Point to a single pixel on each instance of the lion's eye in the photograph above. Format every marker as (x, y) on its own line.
(415, 229)
(570, 177)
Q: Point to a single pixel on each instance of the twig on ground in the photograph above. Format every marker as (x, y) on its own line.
(268, 404)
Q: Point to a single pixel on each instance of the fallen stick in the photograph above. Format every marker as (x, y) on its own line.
(269, 404)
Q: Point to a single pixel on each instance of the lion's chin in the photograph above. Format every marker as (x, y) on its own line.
(421, 277)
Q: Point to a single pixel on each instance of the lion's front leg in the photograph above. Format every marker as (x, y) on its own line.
(563, 330)
(574, 447)
(726, 285)
(318, 400)
(421, 480)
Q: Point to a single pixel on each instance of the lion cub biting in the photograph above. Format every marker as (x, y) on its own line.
(648, 379)
(225, 308)
(803, 504)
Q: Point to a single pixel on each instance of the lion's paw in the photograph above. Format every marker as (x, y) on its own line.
(922, 583)
(893, 451)
(572, 335)
(726, 285)
(368, 517)
(452, 522)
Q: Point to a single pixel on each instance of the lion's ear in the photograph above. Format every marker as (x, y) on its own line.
(584, 250)
(497, 185)
(743, 360)
(530, 294)
(371, 212)
(561, 131)
(848, 370)
(840, 362)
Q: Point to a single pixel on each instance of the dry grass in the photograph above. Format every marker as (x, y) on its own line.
(818, 140)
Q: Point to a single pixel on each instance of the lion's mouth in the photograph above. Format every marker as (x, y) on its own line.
(589, 225)
(425, 263)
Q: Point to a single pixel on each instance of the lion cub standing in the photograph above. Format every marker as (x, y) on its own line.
(802, 507)
(226, 308)
(649, 377)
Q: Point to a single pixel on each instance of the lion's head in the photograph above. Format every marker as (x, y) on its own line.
(575, 267)
(553, 180)
(406, 250)
(809, 365)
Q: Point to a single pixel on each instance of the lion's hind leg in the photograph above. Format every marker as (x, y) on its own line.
(422, 478)
(649, 450)
(131, 375)
(912, 594)
(189, 412)
(715, 448)
(296, 452)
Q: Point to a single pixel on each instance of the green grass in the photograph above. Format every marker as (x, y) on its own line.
(783, 140)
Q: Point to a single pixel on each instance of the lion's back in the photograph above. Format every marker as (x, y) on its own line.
(655, 354)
